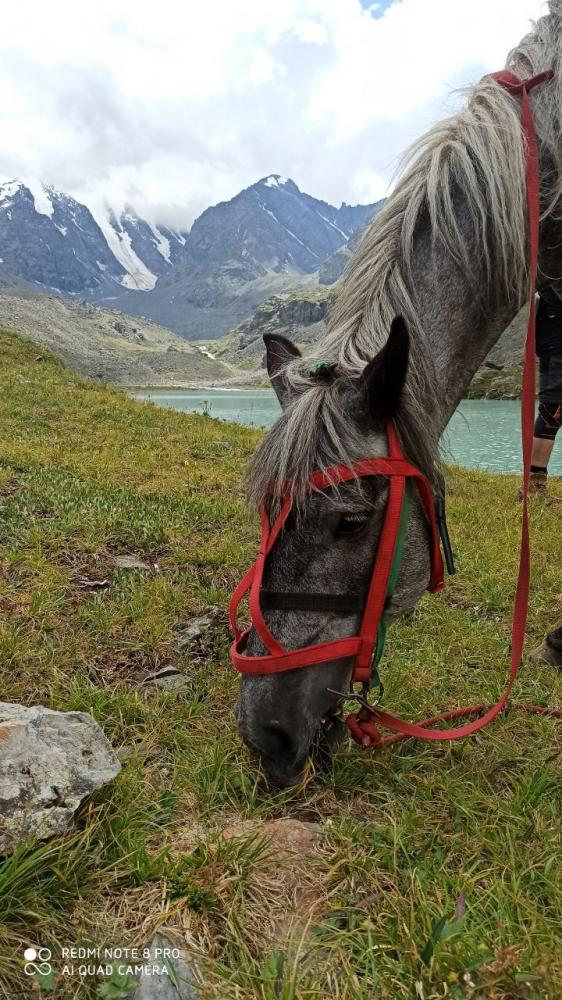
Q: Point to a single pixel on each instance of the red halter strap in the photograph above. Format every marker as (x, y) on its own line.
(359, 647)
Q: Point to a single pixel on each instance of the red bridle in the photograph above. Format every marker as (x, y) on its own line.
(359, 647)
(364, 725)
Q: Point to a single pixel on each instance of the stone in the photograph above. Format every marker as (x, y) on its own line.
(161, 987)
(130, 562)
(49, 762)
(167, 678)
(197, 627)
(285, 834)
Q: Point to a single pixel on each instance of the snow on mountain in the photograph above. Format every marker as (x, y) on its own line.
(162, 244)
(8, 189)
(137, 276)
(275, 180)
(42, 197)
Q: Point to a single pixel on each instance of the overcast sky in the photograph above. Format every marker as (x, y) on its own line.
(174, 105)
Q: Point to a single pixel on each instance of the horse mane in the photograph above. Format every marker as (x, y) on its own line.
(466, 154)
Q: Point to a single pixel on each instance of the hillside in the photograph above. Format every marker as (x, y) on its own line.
(107, 345)
(426, 864)
(500, 376)
(301, 315)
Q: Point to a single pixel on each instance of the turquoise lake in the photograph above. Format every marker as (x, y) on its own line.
(483, 434)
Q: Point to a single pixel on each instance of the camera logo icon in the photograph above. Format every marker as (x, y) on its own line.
(37, 961)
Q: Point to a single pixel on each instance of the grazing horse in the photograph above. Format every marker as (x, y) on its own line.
(448, 254)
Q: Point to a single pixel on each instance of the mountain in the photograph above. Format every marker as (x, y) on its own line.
(298, 315)
(268, 239)
(106, 345)
(334, 265)
(52, 240)
(269, 228)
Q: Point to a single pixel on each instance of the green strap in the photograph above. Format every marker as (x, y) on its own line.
(321, 367)
(394, 571)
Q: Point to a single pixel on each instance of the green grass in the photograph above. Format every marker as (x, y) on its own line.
(437, 867)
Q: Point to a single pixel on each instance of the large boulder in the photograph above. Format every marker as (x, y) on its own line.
(49, 762)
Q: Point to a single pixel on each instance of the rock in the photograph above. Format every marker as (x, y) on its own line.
(286, 834)
(161, 987)
(130, 562)
(167, 678)
(49, 762)
(197, 626)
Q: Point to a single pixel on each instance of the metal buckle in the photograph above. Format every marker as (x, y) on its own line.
(362, 698)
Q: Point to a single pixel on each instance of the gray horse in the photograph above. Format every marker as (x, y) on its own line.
(449, 254)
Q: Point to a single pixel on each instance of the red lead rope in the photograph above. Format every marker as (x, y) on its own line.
(364, 724)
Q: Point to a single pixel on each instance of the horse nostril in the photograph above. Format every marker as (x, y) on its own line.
(275, 741)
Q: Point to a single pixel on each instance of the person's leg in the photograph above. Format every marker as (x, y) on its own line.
(547, 425)
(542, 450)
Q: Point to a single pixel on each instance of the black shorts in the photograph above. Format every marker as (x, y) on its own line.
(550, 378)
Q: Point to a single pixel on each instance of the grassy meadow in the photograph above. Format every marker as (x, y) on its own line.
(434, 871)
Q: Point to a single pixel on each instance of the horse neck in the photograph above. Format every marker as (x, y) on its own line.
(460, 320)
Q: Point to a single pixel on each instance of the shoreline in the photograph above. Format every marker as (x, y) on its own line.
(194, 388)
(266, 388)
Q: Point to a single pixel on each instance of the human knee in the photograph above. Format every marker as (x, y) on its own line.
(549, 420)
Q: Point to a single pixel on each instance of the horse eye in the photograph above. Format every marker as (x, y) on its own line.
(351, 524)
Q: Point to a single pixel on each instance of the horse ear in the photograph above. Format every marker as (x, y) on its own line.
(382, 380)
(279, 351)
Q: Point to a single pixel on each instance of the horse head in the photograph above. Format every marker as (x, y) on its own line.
(322, 560)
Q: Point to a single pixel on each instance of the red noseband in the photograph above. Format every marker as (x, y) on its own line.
(359, 647)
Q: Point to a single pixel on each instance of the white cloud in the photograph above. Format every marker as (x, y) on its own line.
(312, 32)
(263, 66)
(174, 106)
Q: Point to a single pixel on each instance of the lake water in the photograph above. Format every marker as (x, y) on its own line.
(483, 433)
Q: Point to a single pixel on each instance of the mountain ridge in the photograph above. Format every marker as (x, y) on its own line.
(269, 237)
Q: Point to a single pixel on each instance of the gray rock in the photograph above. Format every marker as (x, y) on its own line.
(130, 562)
(167, 678)
(49, 762)
(197, 627)
(161, 987)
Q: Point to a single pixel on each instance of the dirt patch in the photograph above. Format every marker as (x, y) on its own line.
(297, 850)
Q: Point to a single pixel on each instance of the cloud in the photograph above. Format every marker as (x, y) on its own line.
(312, 32)
(174, 106)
